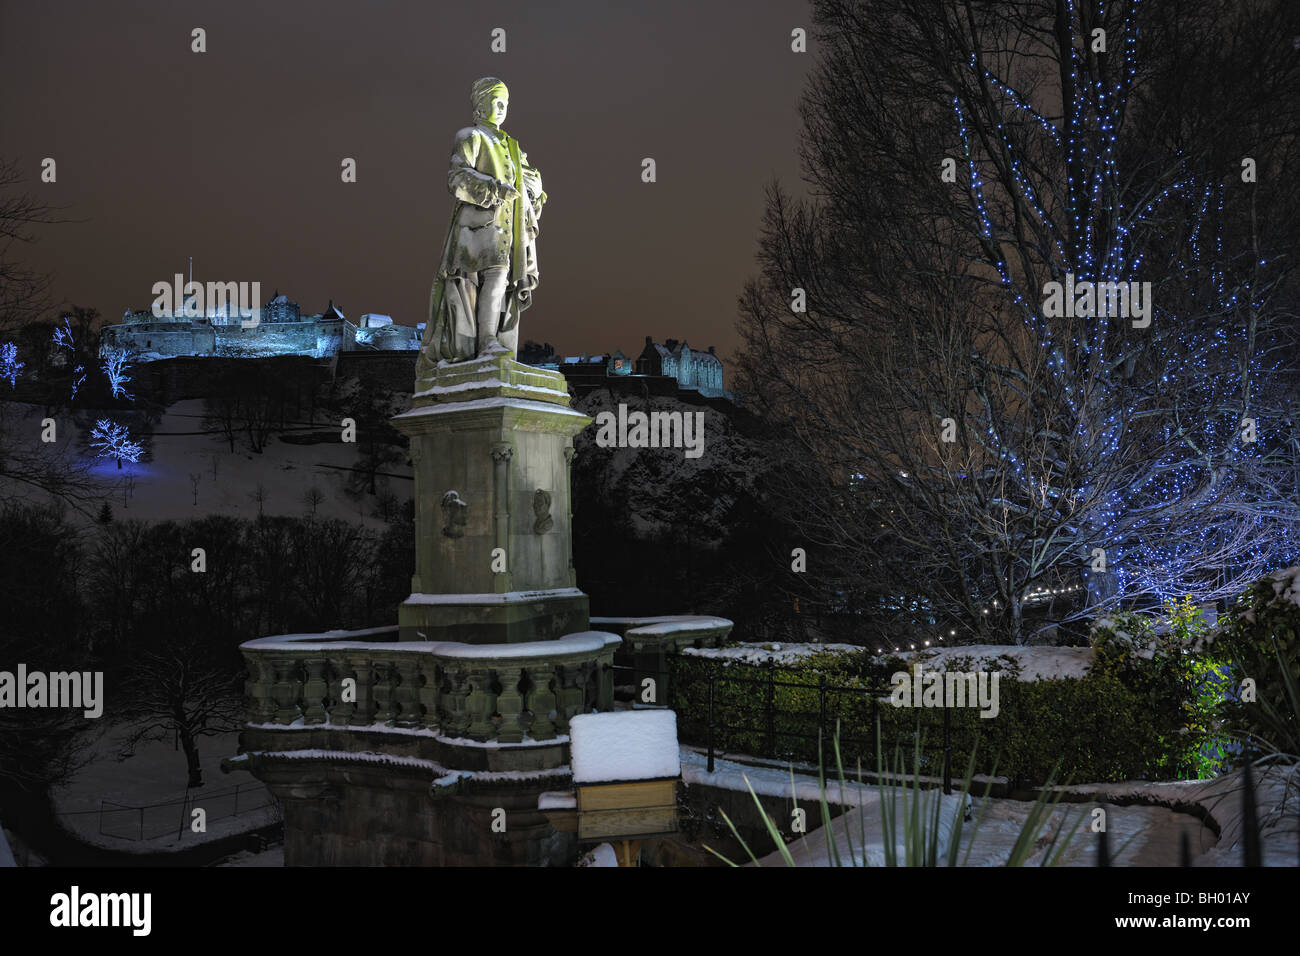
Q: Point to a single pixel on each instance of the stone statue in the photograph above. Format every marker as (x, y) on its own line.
(489, 260)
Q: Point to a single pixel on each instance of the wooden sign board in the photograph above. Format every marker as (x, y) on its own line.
(623, 810)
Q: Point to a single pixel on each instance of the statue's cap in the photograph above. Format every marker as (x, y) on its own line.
(484, 88)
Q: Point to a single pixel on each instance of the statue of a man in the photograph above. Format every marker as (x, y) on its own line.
(489, 261)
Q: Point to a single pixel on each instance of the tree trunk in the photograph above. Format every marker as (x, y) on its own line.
(191, 748)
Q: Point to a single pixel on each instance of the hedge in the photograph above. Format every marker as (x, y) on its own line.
(1110, 725)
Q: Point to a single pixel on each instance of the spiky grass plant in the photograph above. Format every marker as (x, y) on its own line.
(921, 818)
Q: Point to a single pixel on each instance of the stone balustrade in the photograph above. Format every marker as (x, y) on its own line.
(647, 643)
(477, 693)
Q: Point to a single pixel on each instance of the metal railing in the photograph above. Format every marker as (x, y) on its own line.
(149, 821)
(703, 730)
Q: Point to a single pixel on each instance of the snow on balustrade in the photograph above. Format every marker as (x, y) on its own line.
(521, 693)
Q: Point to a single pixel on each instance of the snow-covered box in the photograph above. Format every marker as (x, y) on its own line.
(626, 766)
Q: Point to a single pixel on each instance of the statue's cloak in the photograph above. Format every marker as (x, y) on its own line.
(482, 235)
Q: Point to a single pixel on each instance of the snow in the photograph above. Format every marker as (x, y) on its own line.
(163, 491)
(488, 383)
(679, 621)
(557, 800)
(1286, 585)
(811, 849)
(751, 653)
(624, 745)
(383, 728)
(106, 793)
(499, 402)
(505, 597)
(1035, 663)
(272, 857)
(600, 855)
(444, 776)
(581, 642)
(1277, 792)
(678, 625)
(577, 643)
(859, 835)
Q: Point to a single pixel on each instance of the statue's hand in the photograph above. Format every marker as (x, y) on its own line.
(507, 193)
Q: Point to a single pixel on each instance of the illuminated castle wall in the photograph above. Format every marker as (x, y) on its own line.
(279, 329)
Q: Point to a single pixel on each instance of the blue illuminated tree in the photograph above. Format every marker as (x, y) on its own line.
(962, 158)
(116, 364)
(10, 367)
(63, 338)
(111, 440)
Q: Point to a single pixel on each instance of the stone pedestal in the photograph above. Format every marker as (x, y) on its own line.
(492, 445)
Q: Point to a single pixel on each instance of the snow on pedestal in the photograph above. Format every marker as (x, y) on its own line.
(627, 745)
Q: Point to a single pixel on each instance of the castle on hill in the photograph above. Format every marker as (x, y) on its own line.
(277, 328)
(688, 369)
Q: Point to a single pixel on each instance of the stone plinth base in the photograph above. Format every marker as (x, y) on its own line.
(492, 445)
(493, 618)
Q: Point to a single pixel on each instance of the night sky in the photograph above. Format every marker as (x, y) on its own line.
(233, 155)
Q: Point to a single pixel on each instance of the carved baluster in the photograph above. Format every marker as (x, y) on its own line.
(480, 704)
(259, 689)
(430, 682)
(313, 690)
(541, 701)
(569, 680)
(385, 687)
(364, 712)
(342, 710)
(510, 704)
(455, 703)
(286, 690)
(407, 695)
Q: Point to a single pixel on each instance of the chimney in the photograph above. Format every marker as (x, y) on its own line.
(711, 352)
(649, 340)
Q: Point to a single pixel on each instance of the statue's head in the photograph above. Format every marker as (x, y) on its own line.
(490, 99)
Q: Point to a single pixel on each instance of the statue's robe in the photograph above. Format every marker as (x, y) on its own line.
(481, 236)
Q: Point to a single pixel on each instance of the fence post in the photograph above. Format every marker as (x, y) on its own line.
(101, 815)
(771, 709)
(236, 813)
(821, 706)
(947, 748)
(180, 833)
(875, 728)
(141, 837)
(710, 731)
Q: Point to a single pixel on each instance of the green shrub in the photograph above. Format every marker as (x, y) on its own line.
(1260, 637)
(1127, 719)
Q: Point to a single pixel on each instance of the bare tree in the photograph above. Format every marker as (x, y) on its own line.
(180, 688)
(24, 293)
(312, 498)
(956, 442)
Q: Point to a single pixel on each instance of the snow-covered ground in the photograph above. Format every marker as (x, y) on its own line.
(1143, 826)
(106, 793)
(164, 488)
(602, 854)
(754, 653)
(1277, 802)
(1035, 663)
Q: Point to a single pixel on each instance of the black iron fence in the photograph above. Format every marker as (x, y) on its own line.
(749, 710)
(149, 821)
